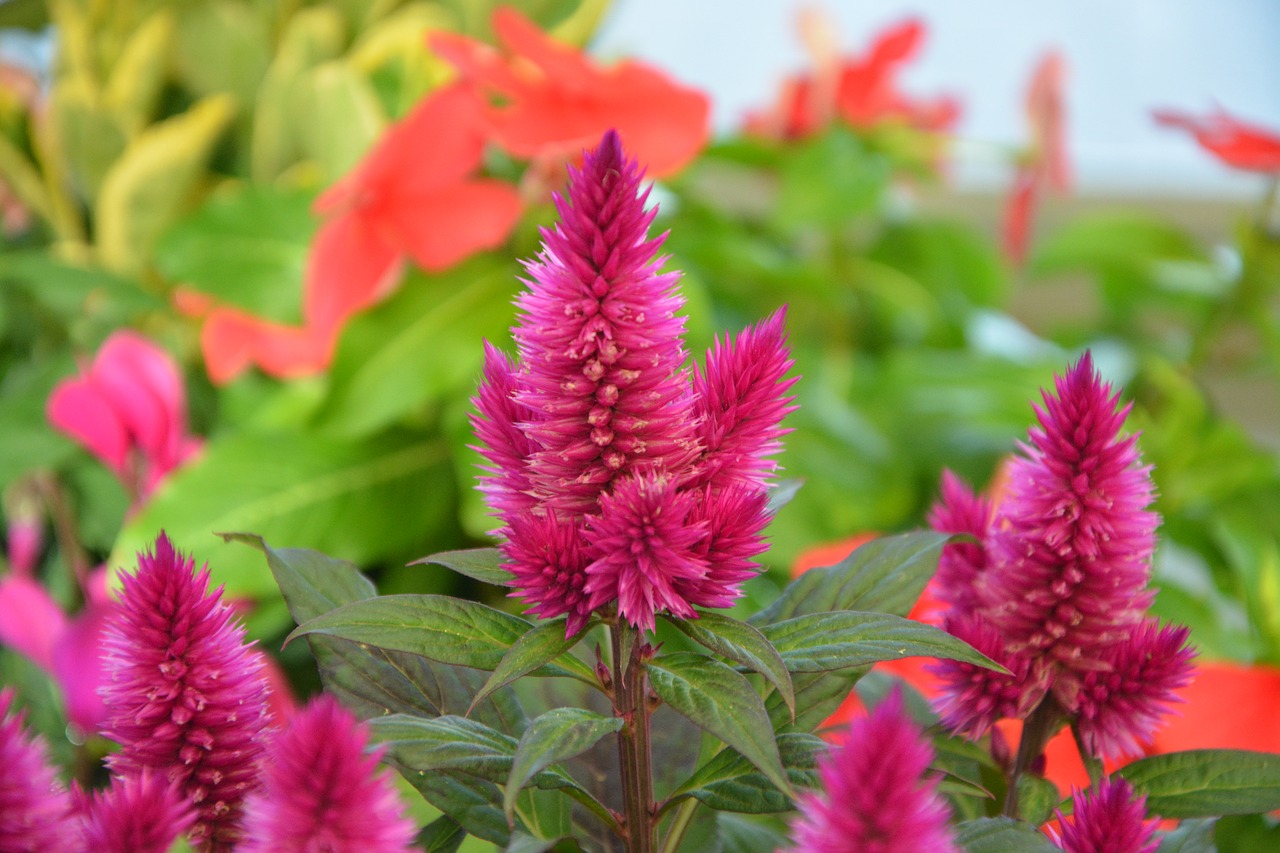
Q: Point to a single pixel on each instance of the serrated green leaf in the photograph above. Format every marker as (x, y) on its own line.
(743, 644)
(437, 627)
(1002, 835)
(482, 564)
(884, 575)
(728, 782)
(541, 645)
(821, 642)
(1207, 782)
(559, 734)
(720, 700)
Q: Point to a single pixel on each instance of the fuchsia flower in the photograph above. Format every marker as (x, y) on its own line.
(1238, 144)
(34, 808)
(875, 797)
(1056, 589)
(1044, 162)
(187, 696)
(619, 478)
(143, 813)
(129, 409)
(1107, 819)
(321, 790)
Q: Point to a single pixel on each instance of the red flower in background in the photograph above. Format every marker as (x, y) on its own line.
(554, 101)
(413, 196)
(1238, 144)
(861, 90)
(1044, 162)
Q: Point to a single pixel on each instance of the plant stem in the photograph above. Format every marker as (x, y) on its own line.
(1036, 732)
(630, 702)
(680, 825)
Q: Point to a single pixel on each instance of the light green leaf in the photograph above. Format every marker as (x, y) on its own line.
(1207, 782)
(558, 734)
(482, 564)
(541, 645)
(1002, 835)
(743, 644)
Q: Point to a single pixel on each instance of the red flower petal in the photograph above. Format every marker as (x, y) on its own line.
(1235, 143)
(447, 226)
(350, 267)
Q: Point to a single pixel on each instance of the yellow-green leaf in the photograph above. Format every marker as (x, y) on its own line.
(87, 135)
(139, 75)
(338, 113)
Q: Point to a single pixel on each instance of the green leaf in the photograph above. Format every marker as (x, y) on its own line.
(472, 802)
(1207, 782)
(437, 627)
(720, 700)
(336, 113)
(885, 575)
(1037, 798)
(138, 76)
(1002, 835)
(442, 835)
(820, 642)
(542, 644)
(246, 246)
(743, 644)
(446, 744)
(728, 782)
(818, 695)
(828, 181)
(558, 734)
(222, 46)
(1191, 836)
(482, 564)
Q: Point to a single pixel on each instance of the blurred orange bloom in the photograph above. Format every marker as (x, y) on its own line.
(1234, 142)
(1045, 160)
(861, 90)
(553, 101)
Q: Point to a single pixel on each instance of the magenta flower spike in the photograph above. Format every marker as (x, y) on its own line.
(34, 807)
(875, 797)
(1107, 819)
(620, 478)
(1070, 553)
(322, 790)
(142, 813)
(1121, 707)
(972, 698)
(962, 563)
(187, 696)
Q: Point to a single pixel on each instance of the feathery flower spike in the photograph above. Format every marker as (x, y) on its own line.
(875, 796)
(34, 808)
(143, 813)
(1107, 819)
(188, 698)
(322, 790)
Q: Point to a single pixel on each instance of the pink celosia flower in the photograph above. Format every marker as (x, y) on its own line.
(1072, 543)
(960, 511)
(618, 477)
(1107, 819)
(34, 808)
(129, 409)
(973, 697)
(875, 797)
(187, 696)
(143, 813)
(321, 790)
(1120, 707)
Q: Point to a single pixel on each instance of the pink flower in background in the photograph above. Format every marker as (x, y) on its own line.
(1044, 163)
(130, 410)
(552, 100)
(35, 810)
(187, 697)
(142, 813)
(617, 477)
(1107, 818)
(322, 790)
(876, 797)
(1238, 144)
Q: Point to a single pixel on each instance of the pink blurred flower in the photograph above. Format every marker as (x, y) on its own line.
(1238, 144)
(974, 697)
(35, 810)
(616, 476)
(187, 697)
(322, 790)
(960, 511)
(142, 813)
(1044, 163)
(875, 796)
(1107, 818)
(129, 409)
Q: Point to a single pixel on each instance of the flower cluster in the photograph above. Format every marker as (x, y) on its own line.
(1056, 586)
(617, 476)
(1107, 818)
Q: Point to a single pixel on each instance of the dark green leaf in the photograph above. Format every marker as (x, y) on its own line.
(738, 834)
(471, 801)
(1002, 835)
(540, 645)
(721, 701)
(482, 564)
(442, 835)
(728, 782)
(449, 630)
(558, 734)
(818, 695)
(446, 744)
(1207, 782)
(885, 575)
(820, 642)
(1037, 798)
(743, 644)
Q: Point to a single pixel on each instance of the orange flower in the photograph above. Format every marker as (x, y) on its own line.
(1044, 162)
(411, 197)
(1234, 142)
(555, 101)
(861, 90)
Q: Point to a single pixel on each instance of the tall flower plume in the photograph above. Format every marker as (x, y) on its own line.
(613, 469)
(321, 790)
(142, 813)
(187, 695)
(875, 797)
(1107, 818)
(34, 808)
